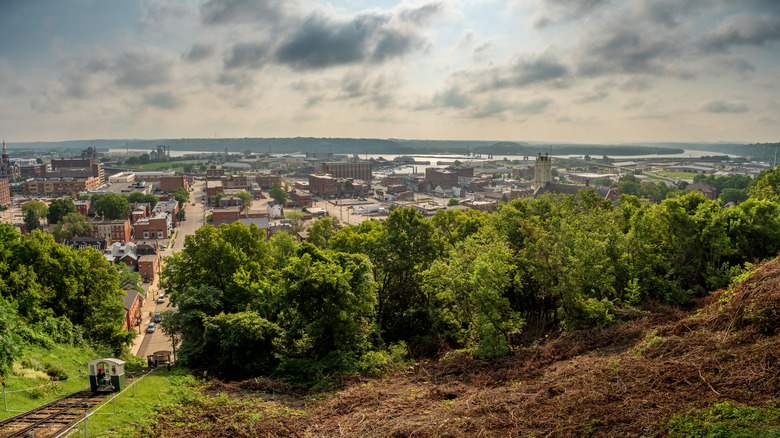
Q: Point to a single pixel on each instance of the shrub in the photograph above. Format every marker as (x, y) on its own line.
(56, 371)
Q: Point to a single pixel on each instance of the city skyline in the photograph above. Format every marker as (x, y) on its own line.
(585, 71)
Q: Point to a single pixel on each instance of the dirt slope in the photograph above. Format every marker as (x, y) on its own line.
(626, 380)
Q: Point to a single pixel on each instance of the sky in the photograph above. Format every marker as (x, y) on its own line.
(585, 71)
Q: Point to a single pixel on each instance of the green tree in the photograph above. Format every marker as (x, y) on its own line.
(246, 199)
(59, 208)
(9, 340)
(297, 224)
(181, 195)
(193, 306)
(733, 195)
(243, 343)
(217, 198)
(329, 300)
(73, 224)
(453, 201)
(112, 206)
(39, 209)
(470, 289)
(142, 198)
(321, 231)
(766, 185)
(604, 181)
(278, 194)
(31, 221)
(628, 184)
(233, 258)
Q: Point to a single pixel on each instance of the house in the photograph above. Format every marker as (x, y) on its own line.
(149, 266)
(122, 253)
(132, 305)
(709, 191)
(275, 210)
(83, 206)
(116, 230)
(158, 226)
(99, 243)
(149, 258)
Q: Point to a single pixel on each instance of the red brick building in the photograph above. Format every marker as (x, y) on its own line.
(117, 230)
(59, 187)
(299, 200)
(155, 227)
(346, 169)
(5, 192)
(323, 185)
(444, 178)
(82, 206)
(169, 184)
(266, 181)
(149, 266)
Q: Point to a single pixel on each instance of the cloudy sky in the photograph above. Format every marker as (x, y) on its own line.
(536, 70)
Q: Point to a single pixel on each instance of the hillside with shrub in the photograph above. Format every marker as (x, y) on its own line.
(709, 370)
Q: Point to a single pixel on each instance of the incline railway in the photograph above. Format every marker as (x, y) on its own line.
(57, 417)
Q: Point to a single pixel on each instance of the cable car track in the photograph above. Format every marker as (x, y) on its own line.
(55, 417)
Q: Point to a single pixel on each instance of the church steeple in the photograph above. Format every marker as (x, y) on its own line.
(6, 160)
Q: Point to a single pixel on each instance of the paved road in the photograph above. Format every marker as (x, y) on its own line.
(148, 343)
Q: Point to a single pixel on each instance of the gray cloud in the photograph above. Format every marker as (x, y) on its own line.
(636, 84)
(481, 50)
(246, 55)
(198, 52)
(524, 71)
(141, 69)
(163, 100)
(495, 107)
(555, 11)
(451, 98)
(742, 30)
(625, 48)
(721, 106)
(594, 97)
(322, 43)
(160, 15)
(216, 12)
(423, 14)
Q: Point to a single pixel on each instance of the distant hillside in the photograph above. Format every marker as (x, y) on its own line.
(506, 148)
(760, 151)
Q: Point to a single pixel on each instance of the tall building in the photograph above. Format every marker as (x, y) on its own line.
(542, 171)
(345, 169)
(9, 170)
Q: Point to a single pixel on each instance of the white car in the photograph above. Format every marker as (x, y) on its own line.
(161, 299)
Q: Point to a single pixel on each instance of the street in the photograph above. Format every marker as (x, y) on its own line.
(148, 343)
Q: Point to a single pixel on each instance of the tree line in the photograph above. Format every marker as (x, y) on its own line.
(50, 293)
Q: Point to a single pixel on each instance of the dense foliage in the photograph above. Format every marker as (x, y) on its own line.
(50, 293)
(474, 280)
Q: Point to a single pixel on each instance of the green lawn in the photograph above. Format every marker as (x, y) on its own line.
(133, 406)
(135, 409)
(29, 373)
(682, 175)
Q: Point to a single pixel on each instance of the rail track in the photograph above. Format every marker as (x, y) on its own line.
(56, 417)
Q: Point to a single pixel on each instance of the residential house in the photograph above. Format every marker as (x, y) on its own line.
(133, 302)
(99, 243)
(275, 210)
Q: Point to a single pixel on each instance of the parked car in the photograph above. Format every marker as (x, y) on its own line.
(157, 317)
(150, 328)
(161, 299)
